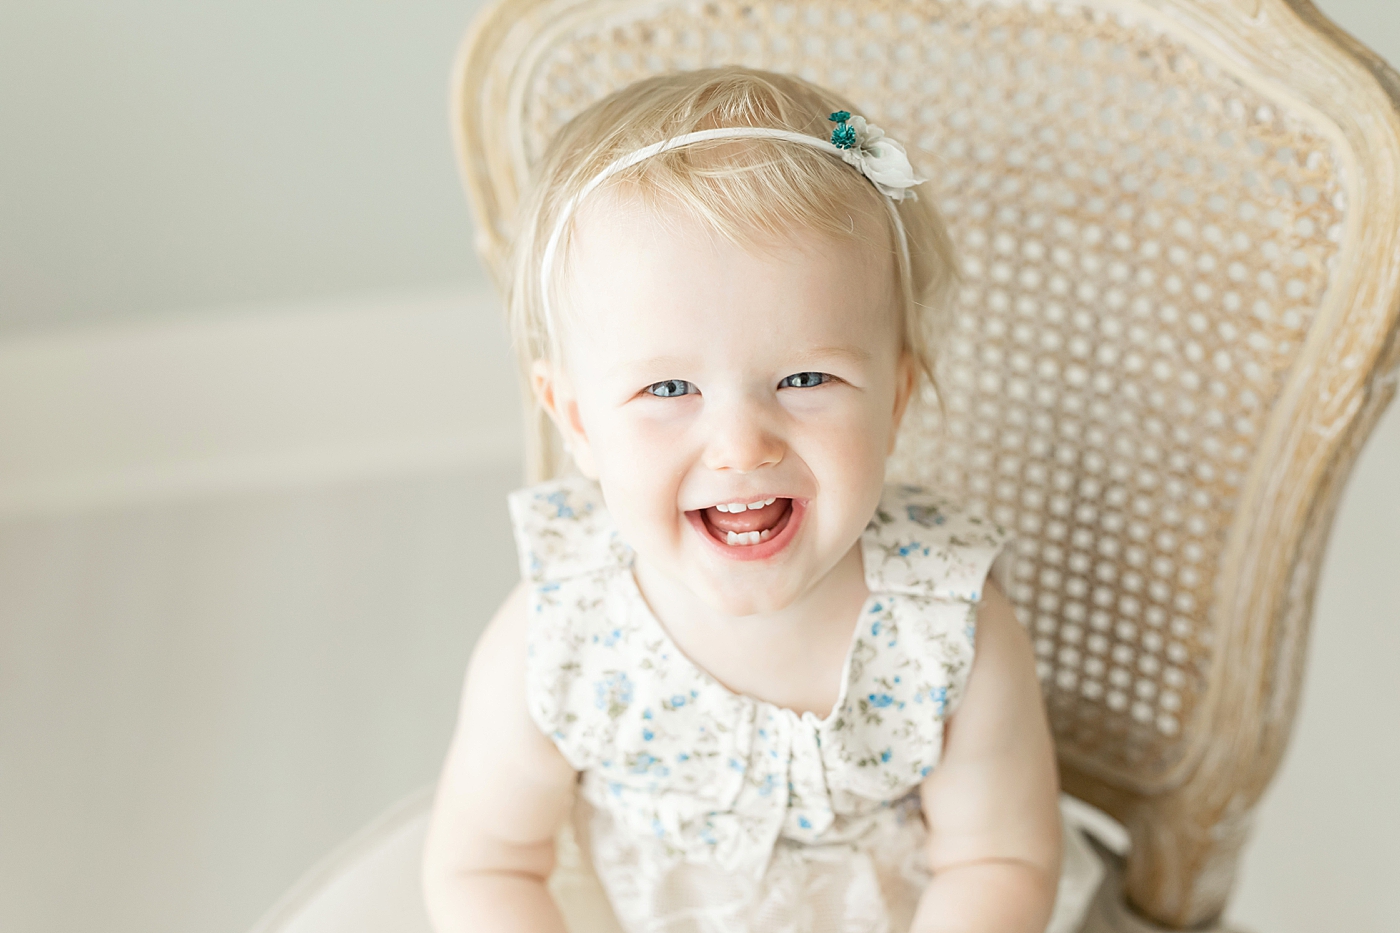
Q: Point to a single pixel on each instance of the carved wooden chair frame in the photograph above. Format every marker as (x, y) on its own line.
(1203, 759)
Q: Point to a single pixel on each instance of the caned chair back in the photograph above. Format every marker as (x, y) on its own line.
(1179, 232)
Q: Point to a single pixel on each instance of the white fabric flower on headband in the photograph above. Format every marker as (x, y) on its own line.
(875, 155)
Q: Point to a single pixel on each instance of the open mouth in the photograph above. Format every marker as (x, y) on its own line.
(747, 524)
(751, 530)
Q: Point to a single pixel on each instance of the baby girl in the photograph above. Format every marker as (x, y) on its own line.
(762, 690)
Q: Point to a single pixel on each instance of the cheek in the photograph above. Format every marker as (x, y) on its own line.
(854, 427)
(641, 456)
(641, 438)
(642, 491)
(854, 455)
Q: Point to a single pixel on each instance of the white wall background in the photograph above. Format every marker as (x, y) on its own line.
(255, 204)
(171, 157)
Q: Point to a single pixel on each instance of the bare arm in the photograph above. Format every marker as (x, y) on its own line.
(504, 792)
(992, 803)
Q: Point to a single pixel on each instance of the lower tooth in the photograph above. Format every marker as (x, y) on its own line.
(745, 538)
(765, 534)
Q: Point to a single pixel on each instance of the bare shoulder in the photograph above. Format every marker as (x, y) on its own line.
(1003, 648)
(499, 655)
(504, 788)
(995, 792)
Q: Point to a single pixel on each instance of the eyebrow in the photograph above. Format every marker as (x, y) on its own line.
(661, 363)
(854, 354)
(857, 354)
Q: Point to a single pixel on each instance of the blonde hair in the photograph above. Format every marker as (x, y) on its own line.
(752, 191)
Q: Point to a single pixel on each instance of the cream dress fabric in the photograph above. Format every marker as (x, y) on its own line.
(704, 811)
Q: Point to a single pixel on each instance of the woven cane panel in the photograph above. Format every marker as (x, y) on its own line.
(1144, 241)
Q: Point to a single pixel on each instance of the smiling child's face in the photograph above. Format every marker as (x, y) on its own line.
(700, 374)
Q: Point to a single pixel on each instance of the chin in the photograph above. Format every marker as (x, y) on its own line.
(746, 600)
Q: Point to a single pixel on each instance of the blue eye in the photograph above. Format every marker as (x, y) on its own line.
(671, 388)
(804, 380)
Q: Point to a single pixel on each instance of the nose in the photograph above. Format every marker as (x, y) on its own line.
(741, 437)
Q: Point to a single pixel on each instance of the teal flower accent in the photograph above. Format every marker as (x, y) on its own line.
(843, 137)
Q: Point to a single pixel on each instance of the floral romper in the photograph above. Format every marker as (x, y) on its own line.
(704, 811)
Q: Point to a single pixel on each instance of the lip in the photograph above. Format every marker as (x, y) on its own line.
(764, 550)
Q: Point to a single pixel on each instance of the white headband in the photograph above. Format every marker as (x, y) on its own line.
(864, 145)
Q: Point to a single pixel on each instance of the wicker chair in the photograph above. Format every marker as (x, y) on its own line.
(1179, 223)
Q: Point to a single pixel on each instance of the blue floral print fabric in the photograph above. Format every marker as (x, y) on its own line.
(704, 809)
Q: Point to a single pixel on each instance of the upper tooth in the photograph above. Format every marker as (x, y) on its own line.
(741, 506)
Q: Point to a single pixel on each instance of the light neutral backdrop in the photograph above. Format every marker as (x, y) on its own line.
(256, 422)
(173, 157)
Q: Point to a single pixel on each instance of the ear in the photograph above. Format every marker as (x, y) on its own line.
(906, 381)
(554, 393)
